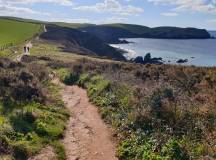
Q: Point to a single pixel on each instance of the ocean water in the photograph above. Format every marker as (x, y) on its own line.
(198, 52)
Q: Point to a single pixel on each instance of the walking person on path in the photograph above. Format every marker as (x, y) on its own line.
(25, 49)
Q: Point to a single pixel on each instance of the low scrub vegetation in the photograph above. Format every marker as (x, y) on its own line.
(159, 112)
(29, 111)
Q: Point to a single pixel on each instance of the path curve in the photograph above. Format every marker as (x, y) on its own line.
(87, 137)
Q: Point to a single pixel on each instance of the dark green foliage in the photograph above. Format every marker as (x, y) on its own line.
(83, 80)
(20, 124)
(173, 151)
(67, 77)
(4, 145)
(168, 93)
(155, 100)
(142, 148)
(20, 151)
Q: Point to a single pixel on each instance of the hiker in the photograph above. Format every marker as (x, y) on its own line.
(28, 49)
(25, 49)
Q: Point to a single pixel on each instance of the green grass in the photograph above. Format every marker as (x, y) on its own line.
(14, 32)
(31, 127)
(59, 150)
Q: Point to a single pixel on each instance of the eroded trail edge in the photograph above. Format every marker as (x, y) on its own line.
(87, 137)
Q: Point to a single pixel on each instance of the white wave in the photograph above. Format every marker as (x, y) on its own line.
(129, 52)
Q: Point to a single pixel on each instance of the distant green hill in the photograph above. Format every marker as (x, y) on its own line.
(137, 29)
(22, 19)
(13, 31)
(111, 33)
(72, 25)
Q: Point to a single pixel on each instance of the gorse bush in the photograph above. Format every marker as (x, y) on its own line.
(67, 77)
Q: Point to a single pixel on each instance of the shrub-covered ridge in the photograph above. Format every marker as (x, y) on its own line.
(158, 112)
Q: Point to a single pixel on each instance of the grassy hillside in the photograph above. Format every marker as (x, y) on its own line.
(23, 20)
(13, 32)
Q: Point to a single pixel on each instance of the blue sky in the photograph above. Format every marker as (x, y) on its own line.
(182, 13)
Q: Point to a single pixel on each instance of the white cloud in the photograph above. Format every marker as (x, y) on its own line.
(12, 10)
(211, 21)
(19, 7)
(205, 6)
(7, 9)
(170, 14)
(112, 6)
(59, 2)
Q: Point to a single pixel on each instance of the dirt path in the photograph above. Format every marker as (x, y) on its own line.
(86, 137)
(45, 154)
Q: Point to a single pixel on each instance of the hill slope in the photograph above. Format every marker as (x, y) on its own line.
(13, 32)
(80, 42)
(112, 32)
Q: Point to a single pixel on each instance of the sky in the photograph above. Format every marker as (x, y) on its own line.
(152, 13)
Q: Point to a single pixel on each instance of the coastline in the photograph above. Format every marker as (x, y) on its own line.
(184, 52)
(128, 53)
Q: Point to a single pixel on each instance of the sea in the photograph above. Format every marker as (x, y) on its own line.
(198, 52)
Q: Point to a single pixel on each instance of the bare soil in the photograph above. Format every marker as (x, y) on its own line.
(87, 137)
(45, 154)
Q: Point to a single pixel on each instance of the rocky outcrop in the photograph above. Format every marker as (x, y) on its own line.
(182, 61)
(147, 60)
